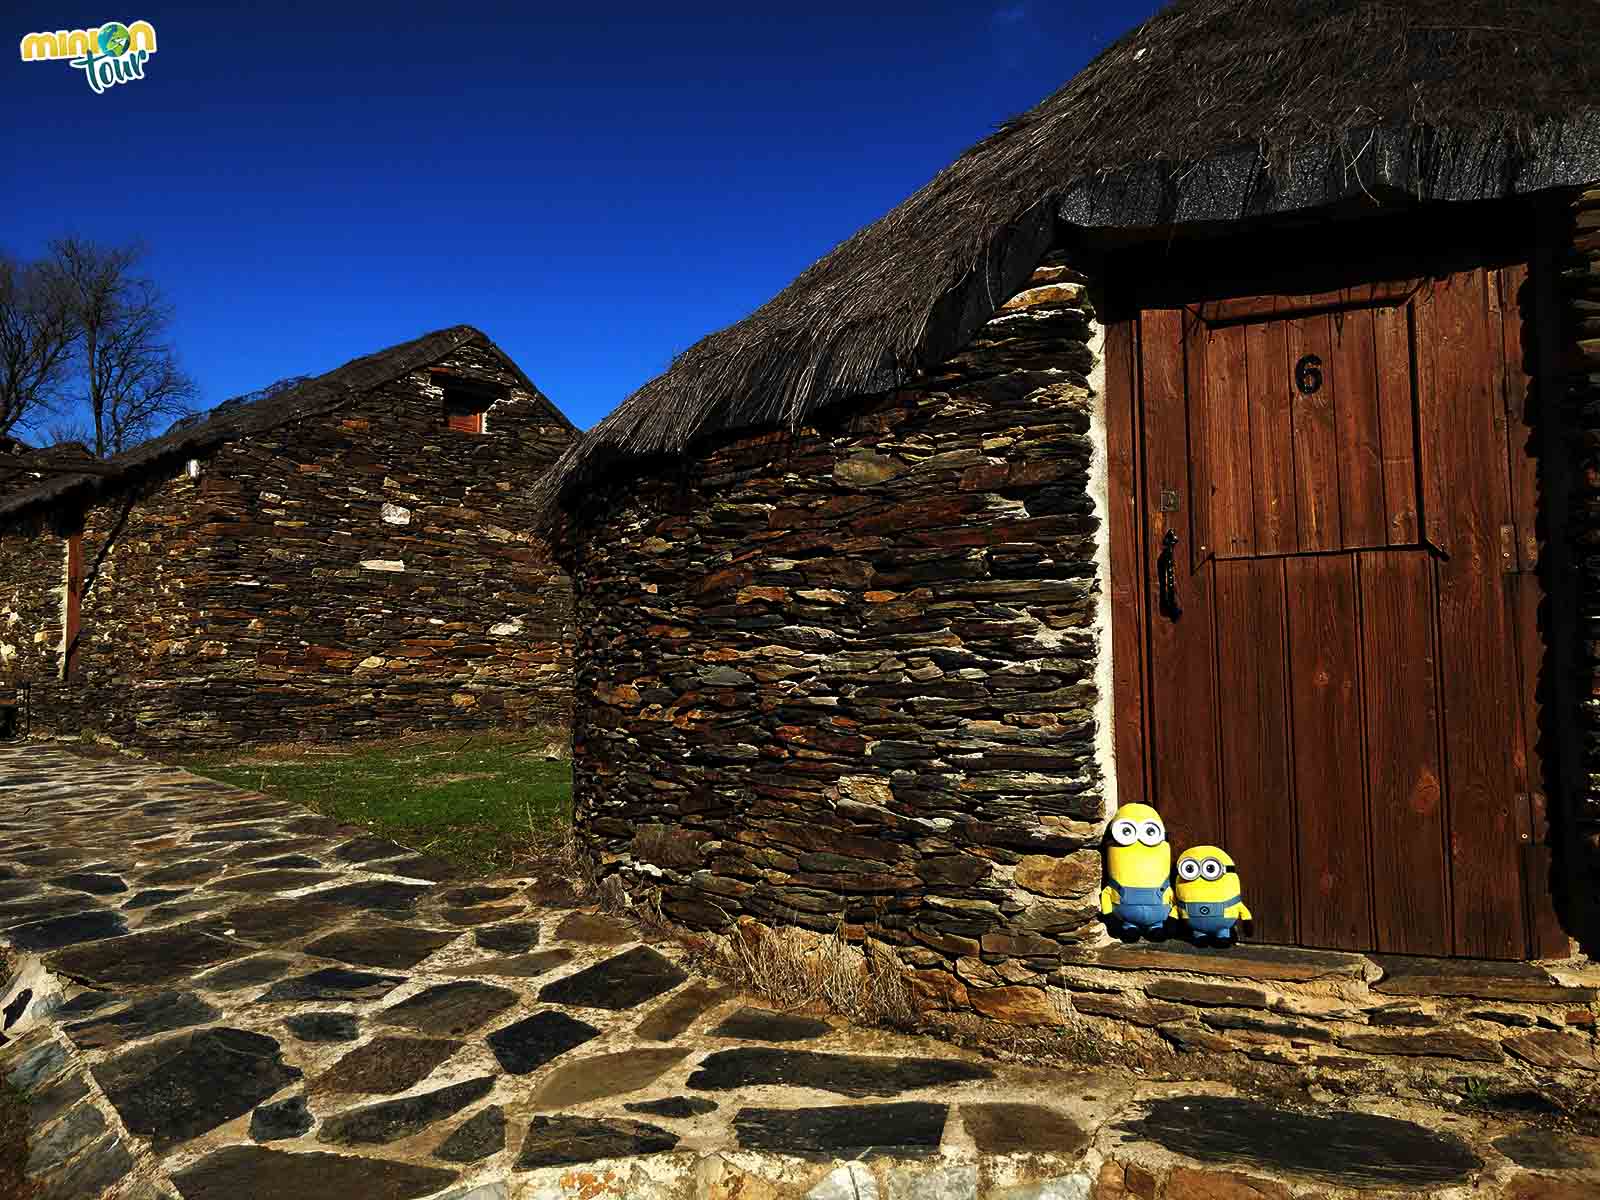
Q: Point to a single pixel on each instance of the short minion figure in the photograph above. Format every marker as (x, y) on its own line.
(1209, 899)
(1138, 868)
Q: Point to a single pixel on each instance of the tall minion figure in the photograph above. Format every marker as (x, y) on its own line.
(1138, 868)
(1209, 899)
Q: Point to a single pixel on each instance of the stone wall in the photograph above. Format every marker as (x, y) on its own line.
(848, 675)
(347, 575)
(1337, 1012)
(32, 572)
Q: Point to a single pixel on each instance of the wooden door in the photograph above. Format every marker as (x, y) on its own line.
(72, 607)
(1335, 682)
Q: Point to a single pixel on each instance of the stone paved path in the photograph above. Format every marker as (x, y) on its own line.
(222, 996)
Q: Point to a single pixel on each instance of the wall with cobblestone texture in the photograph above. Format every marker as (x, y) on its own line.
(848, 675)
(347, 575)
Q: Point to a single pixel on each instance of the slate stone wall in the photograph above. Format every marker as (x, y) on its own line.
(848, 675)
(350, 575)
(32, 568)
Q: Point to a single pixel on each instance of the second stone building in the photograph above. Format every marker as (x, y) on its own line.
(346, 556)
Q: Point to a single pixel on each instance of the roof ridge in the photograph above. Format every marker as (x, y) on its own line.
(315, 396)
(1212, 110)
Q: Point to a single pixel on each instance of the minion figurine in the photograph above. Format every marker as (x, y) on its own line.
(1139, 868)
(1208, 893)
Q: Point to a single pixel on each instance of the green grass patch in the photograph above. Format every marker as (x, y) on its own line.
(487, 801)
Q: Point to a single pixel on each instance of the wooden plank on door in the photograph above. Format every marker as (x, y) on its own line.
(1477, 645)
(1410, 867)
(1329, 779)
(1126, 560)
(72, 635)
(1355, 373)
(1510, 390)
(1316, 439)
(1197, 496)
(1228, 402)
(1271, 437)
(1397, 418)
(1546, 937)
(1521, 428)
(1438, 345)
(1182, 738)
(1252, 716)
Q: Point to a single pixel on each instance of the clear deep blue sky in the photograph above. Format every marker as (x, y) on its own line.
(595, 186)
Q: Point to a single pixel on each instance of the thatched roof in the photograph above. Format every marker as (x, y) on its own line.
(277, 407)
(1213, 110)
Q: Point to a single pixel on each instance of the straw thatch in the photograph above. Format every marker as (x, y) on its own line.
(280, 406)
(1214, 110)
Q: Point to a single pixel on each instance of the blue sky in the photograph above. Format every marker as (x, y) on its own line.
(595, 186)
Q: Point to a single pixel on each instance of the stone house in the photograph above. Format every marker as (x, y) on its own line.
(1219, 434)
(344, 556)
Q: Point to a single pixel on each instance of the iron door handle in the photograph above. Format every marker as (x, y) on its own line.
(1167, 577)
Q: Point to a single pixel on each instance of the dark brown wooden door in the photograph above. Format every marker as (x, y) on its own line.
(72, 607)
(1345, 701)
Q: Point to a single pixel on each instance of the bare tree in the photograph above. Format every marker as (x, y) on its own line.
(37, 335)
(130, 372)
(66, 432)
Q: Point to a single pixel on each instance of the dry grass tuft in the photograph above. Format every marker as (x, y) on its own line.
(792, 968)
(575, 868)
(798, 969)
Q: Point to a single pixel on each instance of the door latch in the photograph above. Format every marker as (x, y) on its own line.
(1167, 577)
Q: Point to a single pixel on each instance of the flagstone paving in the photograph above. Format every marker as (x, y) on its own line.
(222, 996)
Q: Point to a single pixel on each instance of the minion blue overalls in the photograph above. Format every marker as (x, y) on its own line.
(1205, 916)
(1141, 907)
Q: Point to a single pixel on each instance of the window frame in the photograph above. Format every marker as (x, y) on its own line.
(466, 402)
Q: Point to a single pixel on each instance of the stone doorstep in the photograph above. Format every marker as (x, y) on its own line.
(1476, 978)
(1397, 975)
(1291, 964)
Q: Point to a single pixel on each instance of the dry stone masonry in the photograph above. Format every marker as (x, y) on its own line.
(847, 675)
(343, 575)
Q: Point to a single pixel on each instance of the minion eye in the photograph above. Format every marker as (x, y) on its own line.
(1188, 869)
(1124, 833)
(1211, 869)
(1151, 833)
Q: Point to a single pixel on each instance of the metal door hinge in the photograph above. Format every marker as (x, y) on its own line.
(1508, 549)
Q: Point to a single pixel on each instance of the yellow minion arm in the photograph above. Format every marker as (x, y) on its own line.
(1240, 910)
(1108, 897)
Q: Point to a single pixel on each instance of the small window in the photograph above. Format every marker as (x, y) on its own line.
(465, 407)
